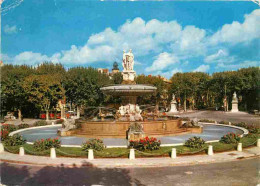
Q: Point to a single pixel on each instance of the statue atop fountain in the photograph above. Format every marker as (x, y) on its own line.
(128, 68)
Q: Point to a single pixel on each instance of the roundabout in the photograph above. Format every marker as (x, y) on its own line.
(211, 133)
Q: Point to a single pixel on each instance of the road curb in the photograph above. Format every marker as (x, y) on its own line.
(139, 162)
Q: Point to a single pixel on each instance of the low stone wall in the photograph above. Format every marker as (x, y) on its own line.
(119, 129)
(196, 130)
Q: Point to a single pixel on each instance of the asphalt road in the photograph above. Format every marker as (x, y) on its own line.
(241, 172)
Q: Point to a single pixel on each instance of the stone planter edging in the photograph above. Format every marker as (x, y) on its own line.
(31, 128)
(245, 131)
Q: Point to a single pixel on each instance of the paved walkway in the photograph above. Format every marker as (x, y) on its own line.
(224, 116)
(138, 162)
(29, 121)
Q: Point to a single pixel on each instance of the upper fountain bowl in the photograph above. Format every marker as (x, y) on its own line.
(128, 90)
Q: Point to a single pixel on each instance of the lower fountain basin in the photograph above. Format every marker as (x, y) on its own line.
(210, 132)
(118, 129)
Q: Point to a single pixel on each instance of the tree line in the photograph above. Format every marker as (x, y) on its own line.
(200, 90)
(30, 90)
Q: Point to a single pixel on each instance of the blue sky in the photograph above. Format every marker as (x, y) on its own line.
(166, 37)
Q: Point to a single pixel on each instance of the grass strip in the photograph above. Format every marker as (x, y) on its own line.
(247, 141)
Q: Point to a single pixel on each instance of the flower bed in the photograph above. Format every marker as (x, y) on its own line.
(6, 129)
(195, 142)
(45, 144)
(23, 126)
(15, 140)
(230, 138)
(145, 144)
(95, 144)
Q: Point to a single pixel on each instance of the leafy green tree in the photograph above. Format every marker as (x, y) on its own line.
(50, 68)
(191, 86)
(159, 95)
(244, 81)
(117, 78)
(83, 85)
(13, 96)
(43, 90)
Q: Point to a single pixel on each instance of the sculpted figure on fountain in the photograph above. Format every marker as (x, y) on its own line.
(128, 61)
(128, 66)
(131, 110)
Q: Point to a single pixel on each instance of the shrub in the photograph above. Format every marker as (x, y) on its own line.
(8, 127)
(5, 130)
(40, 123)
(224, 122)
(4, 134)
(14, 140)
(207, 120)
(242, 124)
(253, 129)
(195, 142)
(230, 138)
(145, 144)
(45, 144)
(95, 144)
(23, 125)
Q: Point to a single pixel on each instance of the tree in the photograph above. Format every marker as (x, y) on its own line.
(50, 68)
(83, 85)
(156, 81)
(12, 93)
(191, 86)
(117, 78)
(44, 90)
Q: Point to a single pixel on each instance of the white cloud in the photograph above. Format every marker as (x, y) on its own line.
(162, 61)
(202, 68)
(10, 29)
(143, 37)
(167, 40)
(192, 38)
(244, 64)
(138, 62)
(30, 58)
(83, 55)
(220, 57)
(239, 32)
(185, 63)
(169, 73)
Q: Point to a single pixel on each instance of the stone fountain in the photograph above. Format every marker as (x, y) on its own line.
(129, 120)
(129, 91)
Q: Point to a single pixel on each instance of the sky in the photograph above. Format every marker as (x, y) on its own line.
(165, 37)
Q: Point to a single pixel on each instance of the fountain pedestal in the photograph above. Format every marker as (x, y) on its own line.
(135, 131)
(128, 75)
(234, 103)
(173, 104)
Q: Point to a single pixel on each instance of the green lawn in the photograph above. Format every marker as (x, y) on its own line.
(247, 141)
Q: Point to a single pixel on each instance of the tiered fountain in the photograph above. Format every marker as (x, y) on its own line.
(129, 120)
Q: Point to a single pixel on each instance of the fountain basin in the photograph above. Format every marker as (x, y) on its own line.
(210, 132)
(118, 129)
